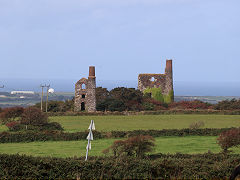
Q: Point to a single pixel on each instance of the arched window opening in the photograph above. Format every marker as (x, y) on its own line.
(83, 86)
(153, 79)
(83, 96)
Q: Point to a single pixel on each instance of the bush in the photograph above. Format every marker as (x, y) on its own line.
(16, 126)
(33, 116)
(136, 146)
(10, 114)
(229, 139)
(196, 125)
(228, 105)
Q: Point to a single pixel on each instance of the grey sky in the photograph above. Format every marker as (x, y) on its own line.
(122, 38)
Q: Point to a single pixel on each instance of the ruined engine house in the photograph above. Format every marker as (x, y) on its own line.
(85, 93)
(163, 81)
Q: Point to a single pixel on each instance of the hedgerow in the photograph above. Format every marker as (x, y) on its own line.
(179, 166)
(30, 136)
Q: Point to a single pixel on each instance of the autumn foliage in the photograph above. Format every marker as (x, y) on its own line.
(10, 114)
(228, 139)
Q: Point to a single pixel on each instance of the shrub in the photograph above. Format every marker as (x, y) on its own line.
(196, 125)
(229, 139)
(136, 146)
(53, 126)
(13, 126)
(228, 105)
(178, 166)
(10, 114)
(33, 116)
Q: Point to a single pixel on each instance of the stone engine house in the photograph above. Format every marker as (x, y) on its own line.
(164, 81)
(85, 93)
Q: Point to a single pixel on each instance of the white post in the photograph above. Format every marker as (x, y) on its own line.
(90, 137)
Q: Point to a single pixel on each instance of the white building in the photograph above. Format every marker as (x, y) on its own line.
(22, 92)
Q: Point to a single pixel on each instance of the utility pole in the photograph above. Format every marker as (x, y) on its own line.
(47, 97)
(42, 86)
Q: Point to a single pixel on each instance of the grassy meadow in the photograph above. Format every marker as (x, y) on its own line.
(189, 145)
(144, 122)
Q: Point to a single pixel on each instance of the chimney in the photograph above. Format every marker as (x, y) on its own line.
(168, 66)
(91, 71)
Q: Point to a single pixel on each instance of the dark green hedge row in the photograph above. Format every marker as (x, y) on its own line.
(29, 136)
(207, 166)
(160, 112)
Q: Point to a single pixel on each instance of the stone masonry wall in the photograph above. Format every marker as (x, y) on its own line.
(164, 81)
(85, 97)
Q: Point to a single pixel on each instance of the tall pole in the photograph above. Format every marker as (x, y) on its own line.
(42, 97)
(47, 97)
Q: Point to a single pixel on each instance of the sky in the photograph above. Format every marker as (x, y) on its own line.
(59, 39)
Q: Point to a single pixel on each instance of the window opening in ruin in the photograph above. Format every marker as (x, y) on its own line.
(83, 95)
(83, 86)
(153, 79)
(82, 106)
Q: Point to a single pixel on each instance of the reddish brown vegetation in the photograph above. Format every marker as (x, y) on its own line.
(229, 139)
(33, 116)
(136, 146)
(10, 114)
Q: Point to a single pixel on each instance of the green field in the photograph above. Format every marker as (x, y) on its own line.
(117, 123)
(190, 145)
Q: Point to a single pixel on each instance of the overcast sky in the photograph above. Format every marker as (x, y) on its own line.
(122, 38)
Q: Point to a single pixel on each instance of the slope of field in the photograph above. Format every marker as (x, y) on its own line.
(187, 145)
(110, 123)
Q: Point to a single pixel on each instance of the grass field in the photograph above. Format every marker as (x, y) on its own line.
(190, 145)
(109, 123)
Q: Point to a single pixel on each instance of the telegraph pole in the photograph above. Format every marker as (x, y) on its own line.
(47, 96)
(42, 86)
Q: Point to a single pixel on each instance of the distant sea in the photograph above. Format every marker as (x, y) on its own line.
(180, 88)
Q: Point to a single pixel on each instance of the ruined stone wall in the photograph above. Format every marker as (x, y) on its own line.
(85, 93)
(163, 81)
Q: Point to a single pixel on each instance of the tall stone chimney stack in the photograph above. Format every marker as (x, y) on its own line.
(168, 66)
(91, 71)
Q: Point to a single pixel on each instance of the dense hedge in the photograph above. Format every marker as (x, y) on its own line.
(29, 136)
(206, 166)
(159, 112)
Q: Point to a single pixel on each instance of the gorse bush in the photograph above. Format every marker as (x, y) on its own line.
(230, 138)
(136, 146)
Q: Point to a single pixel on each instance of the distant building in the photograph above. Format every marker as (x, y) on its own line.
(147, 82)
(85, 93)
(22, 92)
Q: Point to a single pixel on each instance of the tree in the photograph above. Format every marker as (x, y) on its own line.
(10, 114)
(101, 94)
(128, 96)
(136, 146)
(33, 116)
